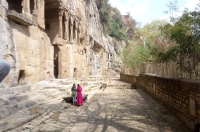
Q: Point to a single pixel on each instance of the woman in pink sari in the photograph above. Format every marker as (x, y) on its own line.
(79, 95)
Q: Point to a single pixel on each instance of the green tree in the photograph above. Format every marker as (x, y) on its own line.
(111, 19)
(147, 43)
(186, 34)
(104, 12)
(173, 9)
(135, 54)
(116, 25)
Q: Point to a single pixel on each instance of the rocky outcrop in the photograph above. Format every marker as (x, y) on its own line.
(128, 24)
(45, 39)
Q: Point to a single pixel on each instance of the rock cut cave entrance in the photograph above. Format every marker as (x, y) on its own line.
(15, 5)
(52, 29)
(56, 61)
(51, 19)
(21, 6)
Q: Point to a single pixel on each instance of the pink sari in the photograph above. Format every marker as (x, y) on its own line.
(79, 96)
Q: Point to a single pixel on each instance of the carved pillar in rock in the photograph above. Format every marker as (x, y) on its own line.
(78, 38)
(39, 13)
(80, 30)
(79, 33)
(66, 26)
(66, 30)
(76, 32)
(59, 63)
(71, 29)
(60, 23)
(35, 4)
(26, 6)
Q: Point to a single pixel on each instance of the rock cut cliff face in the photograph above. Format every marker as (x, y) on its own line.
(7, 47)
(128, 23)
(45, 39)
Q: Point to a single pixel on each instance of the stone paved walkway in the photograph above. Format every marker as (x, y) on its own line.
(109, 110)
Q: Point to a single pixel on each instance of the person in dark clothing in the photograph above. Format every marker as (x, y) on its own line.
(4, 69)
(73, 94)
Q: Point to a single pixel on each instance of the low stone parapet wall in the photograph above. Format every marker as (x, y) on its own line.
(128, 78)
(180, 96)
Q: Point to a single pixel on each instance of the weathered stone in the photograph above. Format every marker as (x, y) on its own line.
(19, 18)
(179, 97)
(127, 20)
(3, 102)
(61, 44)
(110, 109)
(44, 40)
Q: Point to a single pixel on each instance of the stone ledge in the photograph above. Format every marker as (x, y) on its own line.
(15, 90)
(20, 18)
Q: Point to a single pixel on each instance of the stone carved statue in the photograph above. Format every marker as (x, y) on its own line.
(4, 69)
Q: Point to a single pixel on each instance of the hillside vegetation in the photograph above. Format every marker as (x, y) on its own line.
(111, 20)
(177, 41)
(160, 41)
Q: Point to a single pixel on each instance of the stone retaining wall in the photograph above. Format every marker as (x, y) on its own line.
(180, 96)
(128, 78)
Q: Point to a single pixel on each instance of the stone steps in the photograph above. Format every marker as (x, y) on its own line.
(28, 106)
(21, 117)
(123, 86)
(15, 90)
(11, 99)
(10, 109)
(92, 78)
(24, 104)
(114, 73)
(11, 103)
(68, 82)
(116, 83)
(33, 102)
(43, 96)
(91, 87)
(62, 81)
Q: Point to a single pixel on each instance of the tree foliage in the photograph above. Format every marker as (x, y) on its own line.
(186, 34)
(133, 55)
(178, 42)
(172, 10)
(147, 43)
(175, 41)
(111, 20)
(104, 11)
(116, 25)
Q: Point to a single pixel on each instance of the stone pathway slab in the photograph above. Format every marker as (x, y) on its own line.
(109, 110)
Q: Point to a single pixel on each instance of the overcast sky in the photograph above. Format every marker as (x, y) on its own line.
(145, 11)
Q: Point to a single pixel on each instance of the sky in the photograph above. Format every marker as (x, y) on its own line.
(145, 11)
